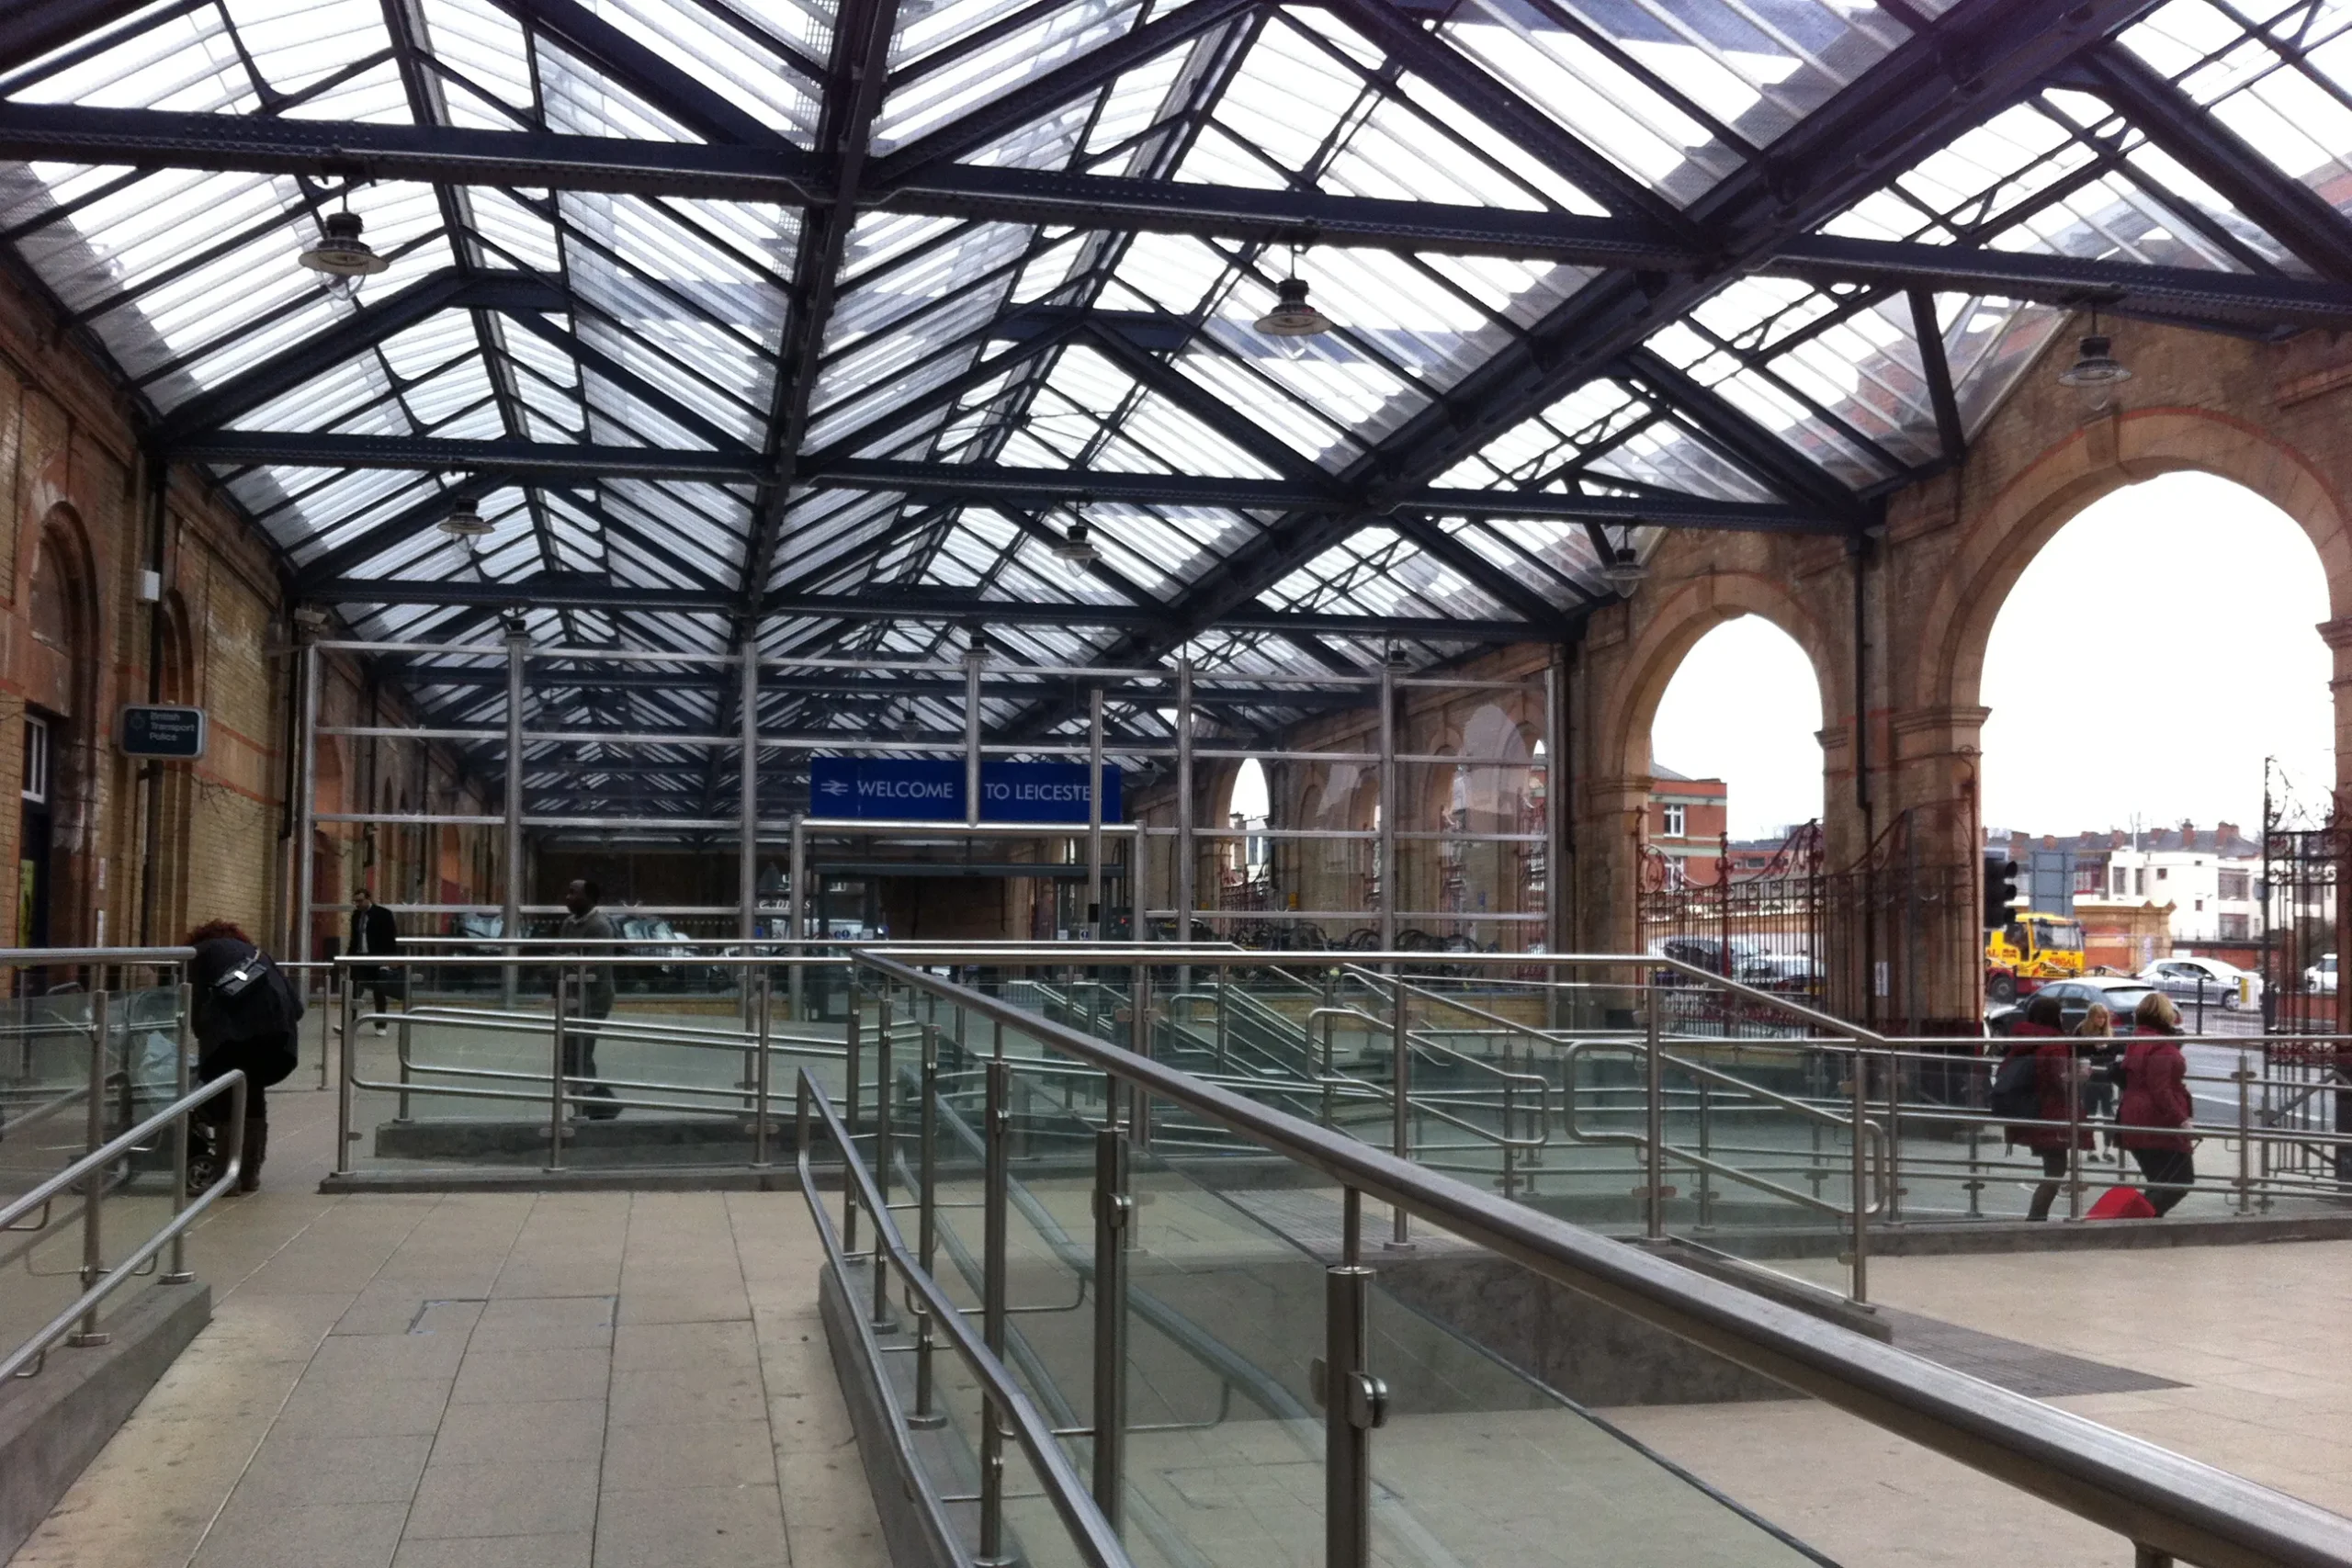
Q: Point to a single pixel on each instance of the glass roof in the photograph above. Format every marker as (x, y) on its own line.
(842, 373)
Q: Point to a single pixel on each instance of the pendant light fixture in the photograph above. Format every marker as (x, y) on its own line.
(464, 523)
(1075, 549)
(1293, 319)
(2095, 372)
(341, 255)
(1624, 571)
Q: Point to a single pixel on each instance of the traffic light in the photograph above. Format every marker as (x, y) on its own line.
(2000, 889)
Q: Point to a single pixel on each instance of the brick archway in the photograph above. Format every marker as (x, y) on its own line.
(2001, 538)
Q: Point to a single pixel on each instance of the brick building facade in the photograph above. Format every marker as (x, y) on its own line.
(83, 524)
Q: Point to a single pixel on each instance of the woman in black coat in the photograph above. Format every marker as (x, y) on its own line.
(245, 1018)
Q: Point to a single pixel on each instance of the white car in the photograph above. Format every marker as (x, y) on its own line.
(2182, 980)
(2319, 980)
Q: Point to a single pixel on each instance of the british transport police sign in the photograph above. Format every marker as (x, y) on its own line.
(926, 789)
(168, 731)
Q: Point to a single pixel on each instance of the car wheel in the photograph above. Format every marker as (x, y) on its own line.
(2002, 989)
(2230, 1001)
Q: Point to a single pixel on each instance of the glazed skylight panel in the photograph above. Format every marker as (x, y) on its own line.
(1533, 451)
(756, 80)
(2279, 75)
(957, 57)
(1665, 454)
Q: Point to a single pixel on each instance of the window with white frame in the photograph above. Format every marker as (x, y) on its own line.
(36, 786)
(1676, 821)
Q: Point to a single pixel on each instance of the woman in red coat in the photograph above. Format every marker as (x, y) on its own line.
(2057, 1068)
(2154, 1076)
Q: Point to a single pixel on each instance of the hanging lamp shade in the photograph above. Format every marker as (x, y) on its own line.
(1624, 570)
(1075, 549)
(464, 523)
(341, 252)
(1293, 315)
(2095, 365)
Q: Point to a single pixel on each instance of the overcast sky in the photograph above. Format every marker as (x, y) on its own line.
(2150, 657)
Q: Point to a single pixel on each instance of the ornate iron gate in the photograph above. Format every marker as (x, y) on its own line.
(2308, 1082)
(1758, 921)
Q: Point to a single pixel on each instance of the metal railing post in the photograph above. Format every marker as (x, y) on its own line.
(94, 1199)
(345, 1134)
(996, 1194)
(1857, 1200)
(327, 995)
(1113, 1210)
(399, 1105)
(1706, 1150)
(554, 1073)
(853, 1044)
(747, 789)
(761, 1003)
(927, 1223)
(176, 1271)
(1188, 859)
(2246, 1134)
(1386, 846)
(2074, 1137)
(1354, 1403)
(512, 808)
(884, 1085)
(1401, 1104)
(1224, 1019)
(1654, 1123)
(1139, 1041)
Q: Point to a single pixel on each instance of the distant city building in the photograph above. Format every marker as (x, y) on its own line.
(2208, 879)
(1684, 825)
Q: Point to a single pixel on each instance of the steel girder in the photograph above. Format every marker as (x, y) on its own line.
(779, 173)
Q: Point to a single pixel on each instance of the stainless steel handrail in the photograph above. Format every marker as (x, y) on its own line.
(2162, 1501)
(1090, 1534)
(36, 1349)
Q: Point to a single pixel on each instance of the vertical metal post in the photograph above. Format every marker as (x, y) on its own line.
(1139, 1041)
(1188, 865)
(853, 1045)
(1352, 1407)
(1112, 1210)
(1400, 1103)
(555, 1074)
(760, 1076)
(795, 909)
(1386, 847)
(1223, 1017)
(306, 794)
(1555, 831)
(927, 1223)
(747, 859)
(974, 657)
(2074, 1135)
(94, 1198)
(1095, 815)
(2244, 1076)
(1706, 1149)
(1858, 1207)
(177, 1272)
(996, 1192)
(513, 808)
(884, 1085)
(1654, 1130)
(327, 1018)
(344, 1134)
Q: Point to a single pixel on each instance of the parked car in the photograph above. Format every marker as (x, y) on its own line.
(2319, 980)
(1751, 962)
(2189, 979)
(2120, 994)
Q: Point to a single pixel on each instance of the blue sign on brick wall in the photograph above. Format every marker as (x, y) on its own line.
(908, 789)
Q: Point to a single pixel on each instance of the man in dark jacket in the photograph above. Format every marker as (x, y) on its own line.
(587, 994)
(245, 1014)
(373, 931)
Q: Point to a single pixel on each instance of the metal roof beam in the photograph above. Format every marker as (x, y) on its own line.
(2297, 216)
(586, 592)
(785, 175)
(517, 459)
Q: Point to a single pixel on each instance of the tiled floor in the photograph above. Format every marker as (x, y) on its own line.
(579, 1381)
(2264, 1389)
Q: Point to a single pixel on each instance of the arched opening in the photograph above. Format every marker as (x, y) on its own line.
(2151, 681)
(1244, 856)
(1490, 805)
(1729, 841)
(57, 889)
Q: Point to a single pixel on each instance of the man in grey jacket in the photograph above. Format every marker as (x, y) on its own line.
(587, 994)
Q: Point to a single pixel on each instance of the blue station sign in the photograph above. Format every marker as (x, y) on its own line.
(927, 789)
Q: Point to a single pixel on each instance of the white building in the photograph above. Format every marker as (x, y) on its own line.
(2210, 878)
